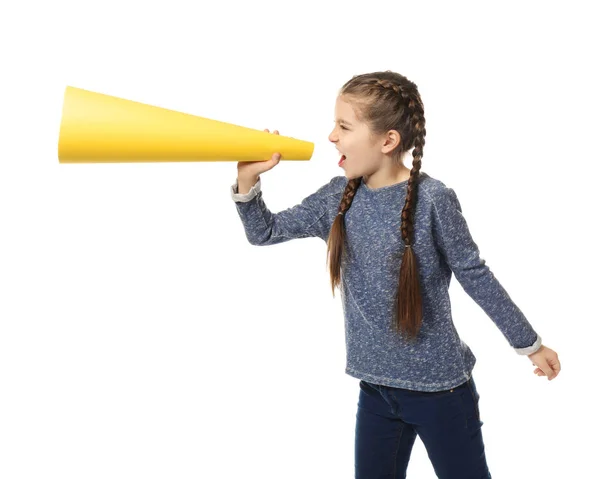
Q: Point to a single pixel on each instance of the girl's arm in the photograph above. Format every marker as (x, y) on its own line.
(462, 256)
(309, 218)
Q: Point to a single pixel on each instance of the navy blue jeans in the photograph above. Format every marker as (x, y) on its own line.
(388, 420)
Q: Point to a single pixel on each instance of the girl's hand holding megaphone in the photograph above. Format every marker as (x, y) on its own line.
(248, 171)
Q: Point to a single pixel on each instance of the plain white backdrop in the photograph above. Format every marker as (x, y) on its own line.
(141, 335)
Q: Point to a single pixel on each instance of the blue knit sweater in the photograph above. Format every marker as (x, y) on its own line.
(439, 359)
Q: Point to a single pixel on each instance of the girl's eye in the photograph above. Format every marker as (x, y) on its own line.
(343, 127)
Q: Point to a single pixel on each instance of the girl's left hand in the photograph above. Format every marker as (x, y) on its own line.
(546, 361)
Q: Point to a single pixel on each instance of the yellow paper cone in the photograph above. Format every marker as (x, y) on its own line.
(98, 128)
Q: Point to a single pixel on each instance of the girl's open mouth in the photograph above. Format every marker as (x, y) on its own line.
(342, 159)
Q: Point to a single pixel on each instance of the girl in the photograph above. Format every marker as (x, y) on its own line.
(393, 271)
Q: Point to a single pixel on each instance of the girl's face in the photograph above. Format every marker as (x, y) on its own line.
(365, 154)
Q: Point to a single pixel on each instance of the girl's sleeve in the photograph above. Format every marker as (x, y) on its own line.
(307, 219)
(462, 255)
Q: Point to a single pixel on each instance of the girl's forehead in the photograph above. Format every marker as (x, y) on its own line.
(344, 113)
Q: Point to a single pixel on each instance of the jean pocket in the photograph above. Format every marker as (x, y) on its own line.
(474, 397)
(368, 387)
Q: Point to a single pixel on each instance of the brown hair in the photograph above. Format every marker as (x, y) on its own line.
(388, 101)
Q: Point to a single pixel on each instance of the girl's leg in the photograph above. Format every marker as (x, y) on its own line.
(383, 441)
(449, 425)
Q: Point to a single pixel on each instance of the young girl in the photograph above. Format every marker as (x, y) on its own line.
(394, 237)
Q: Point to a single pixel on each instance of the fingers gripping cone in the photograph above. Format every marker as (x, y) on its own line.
(98, 128)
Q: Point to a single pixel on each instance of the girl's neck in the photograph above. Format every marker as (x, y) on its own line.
(382, 178)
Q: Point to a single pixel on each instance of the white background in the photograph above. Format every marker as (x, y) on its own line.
(141, 335)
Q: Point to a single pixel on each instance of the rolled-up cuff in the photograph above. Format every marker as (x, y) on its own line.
(235, 196)
(530, 349)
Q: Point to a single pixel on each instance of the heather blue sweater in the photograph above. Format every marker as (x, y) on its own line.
(439, 359)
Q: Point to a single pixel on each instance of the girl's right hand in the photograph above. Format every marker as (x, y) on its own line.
(252, 169)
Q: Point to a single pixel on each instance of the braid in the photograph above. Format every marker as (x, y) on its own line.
(409, 290)
(338, 230)
(417, 123)
(348, 195)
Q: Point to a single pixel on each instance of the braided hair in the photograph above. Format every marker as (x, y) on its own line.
(388, 100)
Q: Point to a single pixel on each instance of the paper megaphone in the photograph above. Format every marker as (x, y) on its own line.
(98, 128)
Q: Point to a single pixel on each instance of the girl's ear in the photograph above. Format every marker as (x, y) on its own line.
(391, 141)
